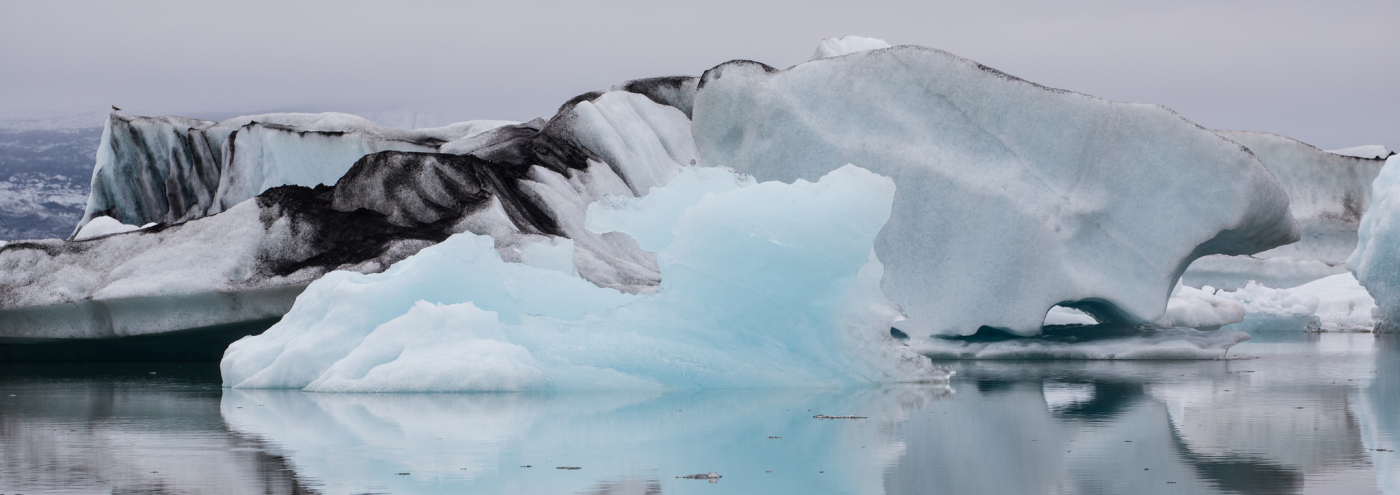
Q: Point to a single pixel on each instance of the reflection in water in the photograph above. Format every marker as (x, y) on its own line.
(1378, 407)
(126, 429)
(760, 441)
(1320, 415)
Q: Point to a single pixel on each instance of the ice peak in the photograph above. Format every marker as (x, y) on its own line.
(835, 47)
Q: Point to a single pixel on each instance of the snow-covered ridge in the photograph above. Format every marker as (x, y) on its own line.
(1012, 197)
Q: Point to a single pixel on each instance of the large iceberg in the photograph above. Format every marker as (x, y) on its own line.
(764, 285)
(1376, 261)
(1012, 197)
(523, 185)
(1327, 194)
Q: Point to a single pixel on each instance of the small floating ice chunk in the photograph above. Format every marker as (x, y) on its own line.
(1200, 309)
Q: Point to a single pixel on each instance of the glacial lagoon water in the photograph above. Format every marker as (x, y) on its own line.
(1287, 414)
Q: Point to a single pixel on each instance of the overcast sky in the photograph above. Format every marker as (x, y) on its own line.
(1327, 73)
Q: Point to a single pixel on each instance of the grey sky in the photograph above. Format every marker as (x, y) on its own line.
(1327, 73)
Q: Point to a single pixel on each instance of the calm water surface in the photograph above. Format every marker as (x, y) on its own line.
(1292, 414)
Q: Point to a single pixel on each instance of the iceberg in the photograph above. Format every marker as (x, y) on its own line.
(1331, 304)
(522, 184)
(1012, 197)
(1376, 261)
(173, 169)
(764, 285)
(1200, 309)
(1327, 195)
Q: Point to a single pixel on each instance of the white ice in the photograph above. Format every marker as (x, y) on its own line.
(196, 274)
(1376, 261)
(103, 226)
(764, 285)
(1199, 309)
(1060, 315)
(1188, 307)
(1327, 194)
(1331, 304)
(1369, 151)
(835, 47)
(1013, 197)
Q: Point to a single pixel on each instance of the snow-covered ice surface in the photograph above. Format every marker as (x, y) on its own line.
(1327, 194)
(1376, 261)
(1372, 151)
(764, 285)
(102, 226)
(1012, 197)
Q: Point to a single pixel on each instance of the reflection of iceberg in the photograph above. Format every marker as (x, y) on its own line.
(764, 285)
(1109, 437)
(1087, 342)
(1378, 408)
(122, 434)
(479, 443)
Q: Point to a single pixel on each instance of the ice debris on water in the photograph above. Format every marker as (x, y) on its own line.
(849, 416)
(712, 476)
